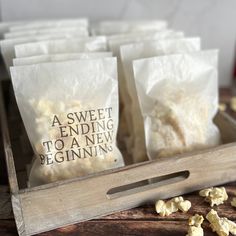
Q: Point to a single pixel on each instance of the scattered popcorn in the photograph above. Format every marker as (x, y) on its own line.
(196, 220)
(222, 226)
(171, 206)
(222, 106)
(233, 202)
(233, 104)
(215, 196)
(195, 228)
(165, 209)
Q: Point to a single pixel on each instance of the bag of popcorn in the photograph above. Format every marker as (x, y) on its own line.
(8, 45)
(145, 49)
(178, 96)
(59, 57)
(114, 43)
(70, 112)
(90, 44)
(5, 26)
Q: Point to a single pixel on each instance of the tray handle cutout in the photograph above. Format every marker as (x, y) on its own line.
(147, 184)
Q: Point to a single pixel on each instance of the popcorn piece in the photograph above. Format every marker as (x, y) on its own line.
(233, 202)
(196, 220)
(183, 205)
(215, 196)
(195, 228)
(233, 104)
(222, 106)
(165, 209)
(222, 226)
(195, 231)
(169, 126)
(171, 206)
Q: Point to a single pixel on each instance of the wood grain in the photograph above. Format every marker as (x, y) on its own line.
(7, 146)
(5, 203)
(117, 228)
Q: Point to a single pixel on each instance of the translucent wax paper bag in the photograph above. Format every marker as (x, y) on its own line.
(5, 26)
(70, 112)
(120, 27)
(114, 43)
(178, 95)
(42, 24)
(91, 44)
(8, 45)
(19, 34)
(29, 25)
(59, 57)
(146, 49)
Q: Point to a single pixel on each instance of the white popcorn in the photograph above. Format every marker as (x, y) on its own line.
(171, 206)
(71, 124)
(233, 103)
(168, 131)
(215, 196)
(222, 226)
(222, 106)
(195, 228)
(196, 220)
(233, 202)
(195, 231)
(165, 209)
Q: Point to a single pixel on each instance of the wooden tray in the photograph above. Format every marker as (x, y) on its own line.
(67, 202)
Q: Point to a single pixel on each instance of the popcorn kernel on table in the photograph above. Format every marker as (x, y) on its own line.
(233, 202)
(222, 226)
(215, 196)
(166, 208)
(196, 220)
(195, 231)
(222, 106)
(195, 223)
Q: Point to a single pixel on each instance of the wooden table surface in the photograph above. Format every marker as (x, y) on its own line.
(139, 221)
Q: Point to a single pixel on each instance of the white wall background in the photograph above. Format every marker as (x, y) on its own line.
(213, 20)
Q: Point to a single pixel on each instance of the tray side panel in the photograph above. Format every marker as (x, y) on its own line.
(17, 209)
(44, 209)
(7, 146)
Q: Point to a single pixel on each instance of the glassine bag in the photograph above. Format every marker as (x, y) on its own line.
(70, 112)
(178, 96)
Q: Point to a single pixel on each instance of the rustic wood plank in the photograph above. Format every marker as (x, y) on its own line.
(8, 228)
(7, 146)
(126, 228)
(5, 203)
(147, 212)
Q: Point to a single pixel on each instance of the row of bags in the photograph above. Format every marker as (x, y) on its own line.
(66, 85)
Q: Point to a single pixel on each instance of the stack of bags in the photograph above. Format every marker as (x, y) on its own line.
(168, 89)
(66, 76)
